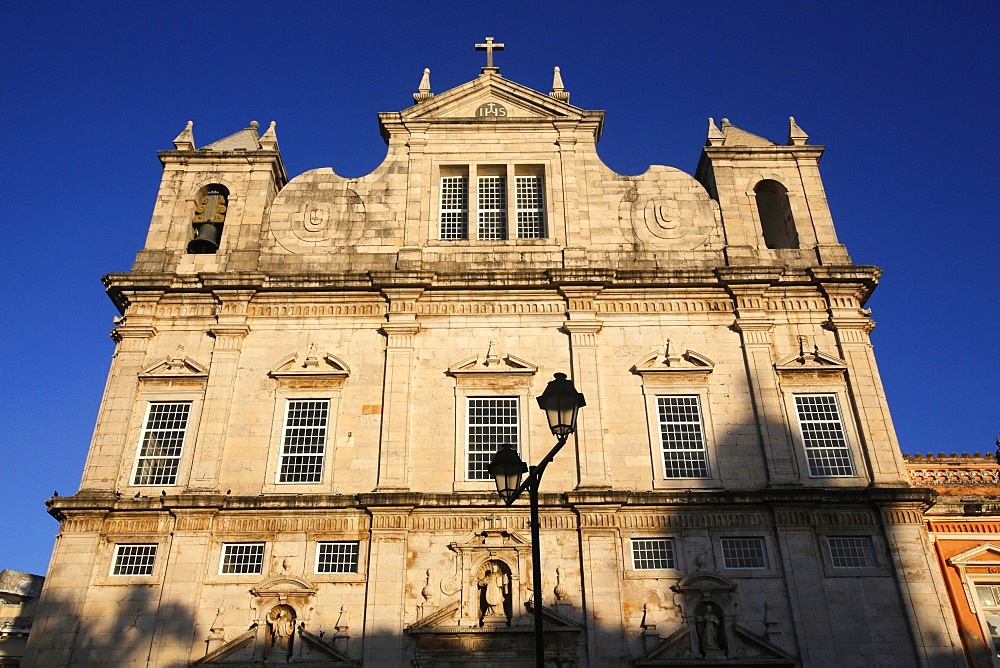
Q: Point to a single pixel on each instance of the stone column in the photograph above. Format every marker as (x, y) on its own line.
(583, 327)
(393, 470)
(384, 610)
(229, 332)
(105, 459)
(852, 326)
(925, 599)
(755, 329)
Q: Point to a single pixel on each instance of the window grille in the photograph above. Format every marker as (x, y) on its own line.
(134, 559)
(161, 444)
(744, 553)
(242, 558)
(340, 557)
(823, 435)
(303, 443)
(454, 222)
(851, 551)
(682, 437)
(528, 200)
(491, 422)
(652, 553)
(492, 207)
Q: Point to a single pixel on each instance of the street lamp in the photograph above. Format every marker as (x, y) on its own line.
(561, 402)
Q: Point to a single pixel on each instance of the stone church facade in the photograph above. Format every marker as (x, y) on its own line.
(312, 374)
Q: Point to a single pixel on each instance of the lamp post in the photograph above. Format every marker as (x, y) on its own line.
(561, 402)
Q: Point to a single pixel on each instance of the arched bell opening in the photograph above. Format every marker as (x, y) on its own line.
(775, 212)
(209, 218)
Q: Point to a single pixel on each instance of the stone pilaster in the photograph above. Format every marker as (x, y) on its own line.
(852, 326)
(105, 460)
(573, 196)
(755, 329)
(602, 569)
(384, 610)
(925, 599)
(583, 326)
(394, 436)
(229, 332)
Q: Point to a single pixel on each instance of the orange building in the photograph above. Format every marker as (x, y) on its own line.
(964, 526)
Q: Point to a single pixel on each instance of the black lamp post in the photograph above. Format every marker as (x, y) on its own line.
(561, 402)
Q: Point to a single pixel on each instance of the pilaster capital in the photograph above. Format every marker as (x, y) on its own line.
(229, 337)
(400, 334)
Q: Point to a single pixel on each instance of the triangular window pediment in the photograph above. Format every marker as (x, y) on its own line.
(517, 101)
(672, 360)
(312, 364)
(177, 366)
(987, 554)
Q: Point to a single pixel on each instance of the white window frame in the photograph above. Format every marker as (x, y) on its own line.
(648, 542)
(453, 204)
(982, 610)
(337, 543)
(148, 568)
(286, 457)
(529, 205)
(226, 550)
(284, 393)
(681, 383)
(499, 427)
(748, 541)
(491, 207)
(863, 542)
(169, 479)
(683, 429)
(843, 451)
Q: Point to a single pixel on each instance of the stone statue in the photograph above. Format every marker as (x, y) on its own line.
(281, 628)
(495, 586)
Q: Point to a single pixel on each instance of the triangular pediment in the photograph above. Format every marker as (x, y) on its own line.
(672, 359)
(284, 585)
(518, 102)
(987, 554)
(745, 649)
(810, 360)
(313, 363)
(177, 366)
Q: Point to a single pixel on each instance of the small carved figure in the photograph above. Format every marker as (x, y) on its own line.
(496, 586)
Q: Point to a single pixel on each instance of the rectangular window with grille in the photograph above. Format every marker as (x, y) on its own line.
(491, 421)
(242, 558)
(823, 435)
(161, 443)
(744, 553)
(653, 553)
(682, 437)
(851, 551)
(303, 440)
(454, 223)
(530, 210)
(988, 596)
(492, 207)
(337, 557)
(134, 559)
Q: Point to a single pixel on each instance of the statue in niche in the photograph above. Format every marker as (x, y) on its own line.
(280, 631)
(711, 634)
(494, 592)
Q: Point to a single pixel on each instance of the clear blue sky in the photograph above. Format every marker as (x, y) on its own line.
(903, 95)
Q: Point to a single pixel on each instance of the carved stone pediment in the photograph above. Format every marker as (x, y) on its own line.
(745, 649)
(982, 559)
(672, 360)
(174, 367)
(810, 360)
(313, 364)
(492, 362)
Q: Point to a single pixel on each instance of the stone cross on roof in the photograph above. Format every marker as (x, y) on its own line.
(489, 47)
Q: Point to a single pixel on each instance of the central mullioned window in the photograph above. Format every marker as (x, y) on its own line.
(653, 554)
(682, 436)
(491, 422)
(242, 558)
(161, 443)
(851, 551)
(827, 451)
(303, 441)
(744, 553)
(493, 199)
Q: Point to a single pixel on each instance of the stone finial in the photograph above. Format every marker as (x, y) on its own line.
(796, 135)
(269, 142)
(424, 90)
(185, 140)
(558, 90)
(715, 136)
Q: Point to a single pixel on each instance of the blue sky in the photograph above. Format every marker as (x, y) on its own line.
(903, 95)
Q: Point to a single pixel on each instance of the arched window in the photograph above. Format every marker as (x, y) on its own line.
(775, 213)
(209, 217)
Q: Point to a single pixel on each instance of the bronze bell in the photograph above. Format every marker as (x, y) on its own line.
(206, 240)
